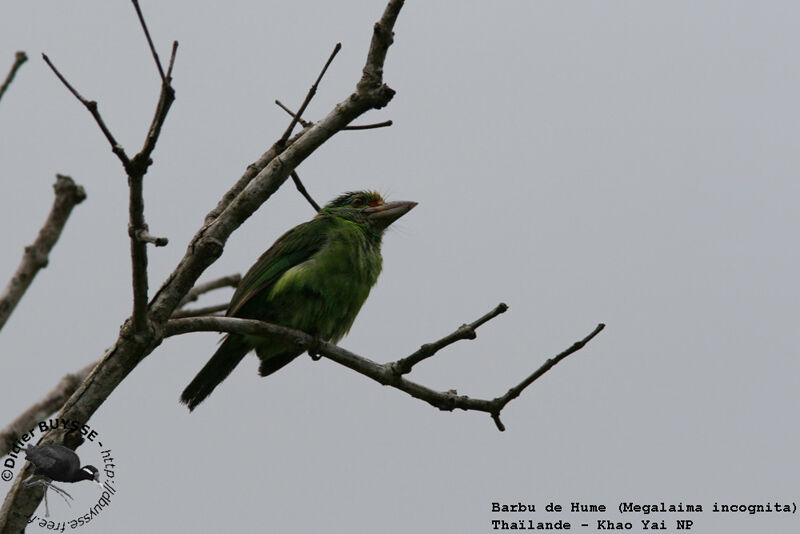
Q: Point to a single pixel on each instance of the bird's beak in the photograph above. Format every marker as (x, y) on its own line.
(387, 213)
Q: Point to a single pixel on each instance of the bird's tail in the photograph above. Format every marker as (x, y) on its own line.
(272, 363)
(227, 357)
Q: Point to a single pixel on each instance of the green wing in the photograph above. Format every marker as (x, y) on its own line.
(292, 248)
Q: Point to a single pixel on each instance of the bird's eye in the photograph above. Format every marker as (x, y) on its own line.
(357, 202)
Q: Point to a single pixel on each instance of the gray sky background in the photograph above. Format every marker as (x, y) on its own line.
(633, 163)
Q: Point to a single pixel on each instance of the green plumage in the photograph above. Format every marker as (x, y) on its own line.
(314, 278)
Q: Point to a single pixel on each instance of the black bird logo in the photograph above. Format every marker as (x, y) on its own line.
(58, 463)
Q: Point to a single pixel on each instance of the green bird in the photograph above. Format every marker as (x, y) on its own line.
(314, 278)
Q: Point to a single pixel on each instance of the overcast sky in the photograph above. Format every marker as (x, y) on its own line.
(631, 163)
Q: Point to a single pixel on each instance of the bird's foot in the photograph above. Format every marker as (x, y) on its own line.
(63, 493)
(48, 485)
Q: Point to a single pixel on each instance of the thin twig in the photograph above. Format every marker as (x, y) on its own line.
(310, 94)
(465, 331)
(68, 195)
(91, 105)
(199, 312)
(300, 187)
(19, 58)
(172, 60)
(306, 123)
(515, 392)
(301, 120)
(149, 40)
(48, 405)
(383, 124)
(165, 100)
(381, 373)
(232, 280)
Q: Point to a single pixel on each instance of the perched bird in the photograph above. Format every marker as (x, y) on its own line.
(314, 278)
(58, 463)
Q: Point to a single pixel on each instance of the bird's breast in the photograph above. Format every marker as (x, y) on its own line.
(324, 294)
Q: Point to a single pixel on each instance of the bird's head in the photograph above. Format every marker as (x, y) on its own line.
(367, 208)
(90, 472)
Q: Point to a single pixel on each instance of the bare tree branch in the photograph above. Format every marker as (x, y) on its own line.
(382, 39)
(68, 195)
(165, 100)
(309, 95)
(137, 228)
(465, 331)
(299, 119)
(91, 105)
(385, 374)
(373, 126)
(19, 58)
(48, 405)
(515, 392)
(300, 187)
(150, 41)
(232, 280)
(258, 183)
(136, 168)
(200, 312)
(306, 123)
(249, 175)
(172, 59)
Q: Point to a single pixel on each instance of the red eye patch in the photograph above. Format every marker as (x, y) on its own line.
(375, 203)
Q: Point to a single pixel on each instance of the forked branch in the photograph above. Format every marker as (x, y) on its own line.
(91, 105)
(387, 374)
(259, 182)
(256, 186)
(306, 123)
(465, 331)
(136, 168)
(309, 95)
